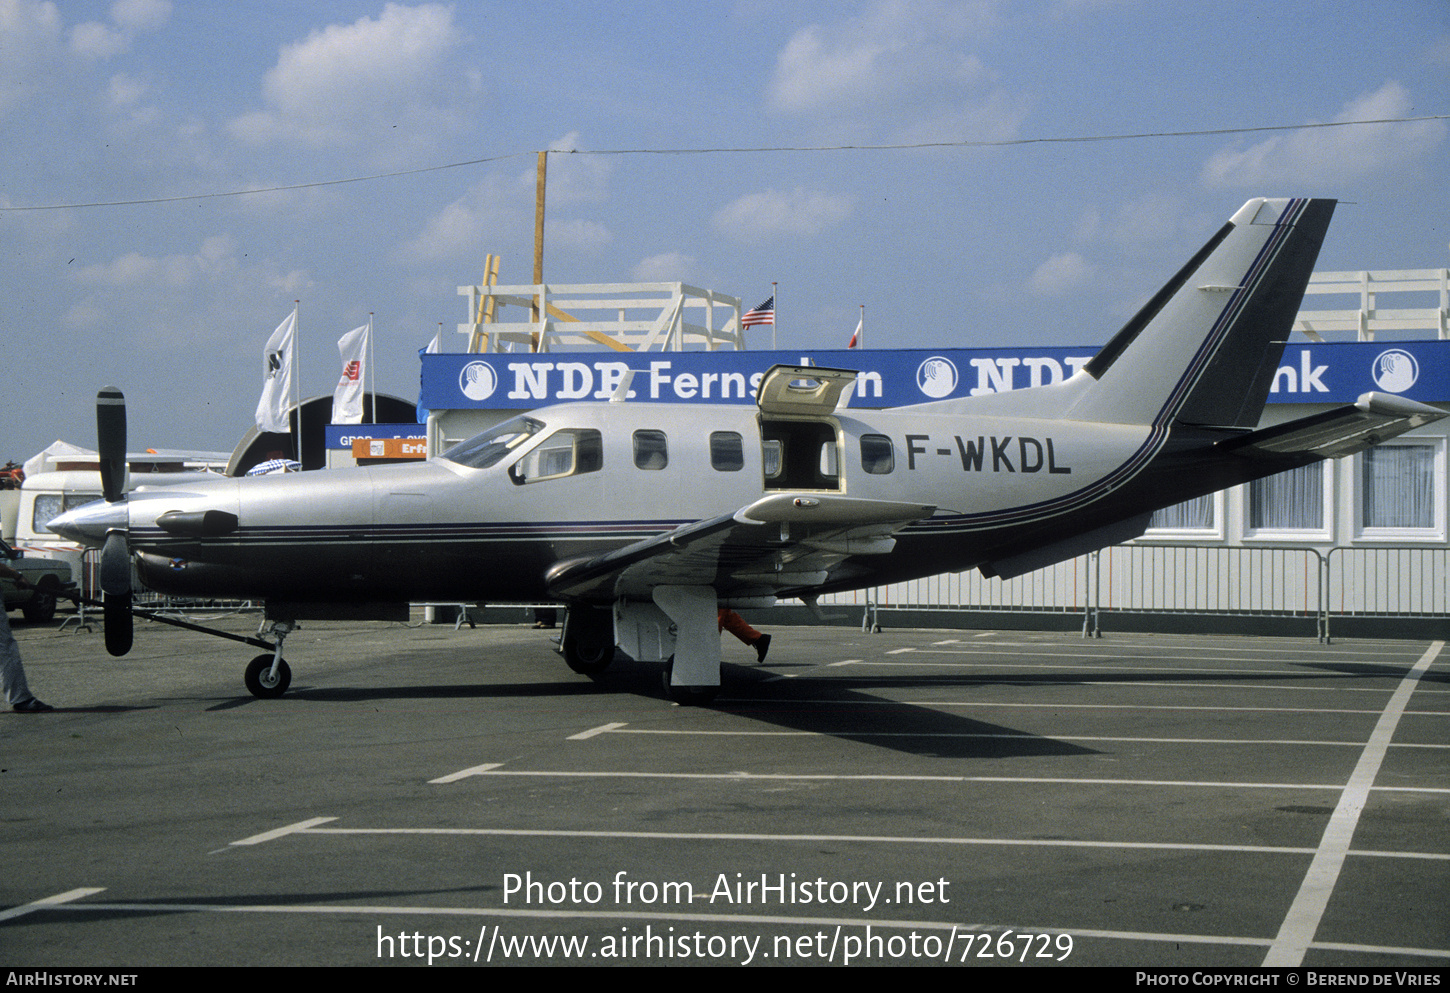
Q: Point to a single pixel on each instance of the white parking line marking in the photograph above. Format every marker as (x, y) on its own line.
(601, 729)
(1028, 737)
(1050, 705)
(272, 835)
(49, 901)
(825, 777)
(454, 777)
(1296, 933)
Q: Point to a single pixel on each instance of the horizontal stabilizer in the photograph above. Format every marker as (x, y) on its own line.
(1373, 418)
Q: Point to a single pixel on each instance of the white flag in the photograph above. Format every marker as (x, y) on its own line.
(347, 399)
(277, 362)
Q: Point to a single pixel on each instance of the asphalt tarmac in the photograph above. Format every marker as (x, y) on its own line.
(430, 797)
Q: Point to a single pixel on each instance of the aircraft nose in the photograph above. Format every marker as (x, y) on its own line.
(90, 524)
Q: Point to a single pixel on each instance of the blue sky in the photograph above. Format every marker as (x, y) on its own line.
(1050, 242)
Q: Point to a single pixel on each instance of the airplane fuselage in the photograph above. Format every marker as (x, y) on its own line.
(444, 530)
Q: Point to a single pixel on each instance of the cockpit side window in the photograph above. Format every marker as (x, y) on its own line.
(486, 449)
(651, 449)
(570, 452)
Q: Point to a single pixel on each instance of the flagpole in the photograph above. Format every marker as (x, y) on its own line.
(297, 371)
(374, 412)
(861, 342)
(775, 315)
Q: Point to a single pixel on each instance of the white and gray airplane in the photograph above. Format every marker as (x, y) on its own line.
(645, 518)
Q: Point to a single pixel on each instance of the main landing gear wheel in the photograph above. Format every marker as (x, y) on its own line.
(588, 642)
(40, 608)
(260, 681)
(686, 696)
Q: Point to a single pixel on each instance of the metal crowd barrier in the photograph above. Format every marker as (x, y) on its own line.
(1380, 583)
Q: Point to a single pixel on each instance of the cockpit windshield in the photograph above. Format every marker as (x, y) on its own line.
(483, 450)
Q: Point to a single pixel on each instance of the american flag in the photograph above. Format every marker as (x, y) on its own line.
(764, 314)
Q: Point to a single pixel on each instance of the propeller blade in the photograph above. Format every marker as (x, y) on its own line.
(119, 624)
(116, 593)
(111, 441)
(116, 565)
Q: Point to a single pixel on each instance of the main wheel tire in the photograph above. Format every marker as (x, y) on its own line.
(259, 679)
(40, 608)
(588, 642)
(686, 696)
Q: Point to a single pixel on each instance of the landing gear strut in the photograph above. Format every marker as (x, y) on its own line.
(267, 676)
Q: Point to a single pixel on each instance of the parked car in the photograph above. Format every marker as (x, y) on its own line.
(47, 578)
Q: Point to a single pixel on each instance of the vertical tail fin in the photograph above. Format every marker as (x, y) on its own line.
(1205, 348)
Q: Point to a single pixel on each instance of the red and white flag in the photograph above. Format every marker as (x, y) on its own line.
(347, 399)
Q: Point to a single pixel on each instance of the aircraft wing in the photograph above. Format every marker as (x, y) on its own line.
(779, 544)
(1373, 418)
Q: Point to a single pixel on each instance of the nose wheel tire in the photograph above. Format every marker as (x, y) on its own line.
(260, 680)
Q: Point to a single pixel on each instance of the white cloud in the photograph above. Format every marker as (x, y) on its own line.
(770, 214)
(899, 69)
(666, 267)
(460, 229)
(569, 178)
(125, 91)
(350, 83)
(893, 47)
(130, 18)
(1062, 273)
(141, 15)
(579, 235)
(30, 35)
(1329, 155)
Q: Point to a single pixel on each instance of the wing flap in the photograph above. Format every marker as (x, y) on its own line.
(782, 542)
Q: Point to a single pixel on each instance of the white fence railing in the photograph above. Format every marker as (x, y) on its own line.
(1430, 288)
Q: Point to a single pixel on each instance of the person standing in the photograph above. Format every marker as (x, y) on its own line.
(12, 672)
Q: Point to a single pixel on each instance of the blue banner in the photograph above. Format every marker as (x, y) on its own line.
(1335, 372)
(343, 435)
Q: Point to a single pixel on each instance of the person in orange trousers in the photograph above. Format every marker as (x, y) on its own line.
(735, 624)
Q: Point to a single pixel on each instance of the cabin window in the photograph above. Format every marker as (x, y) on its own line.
(877, 456)
(650, 450)
(483, 450)
(727, 451)
(571, 452)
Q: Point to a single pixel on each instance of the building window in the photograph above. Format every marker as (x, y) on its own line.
(651, 450)
(727, 451)
(1198, 516)
(1401, 491)
(1291, 504)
